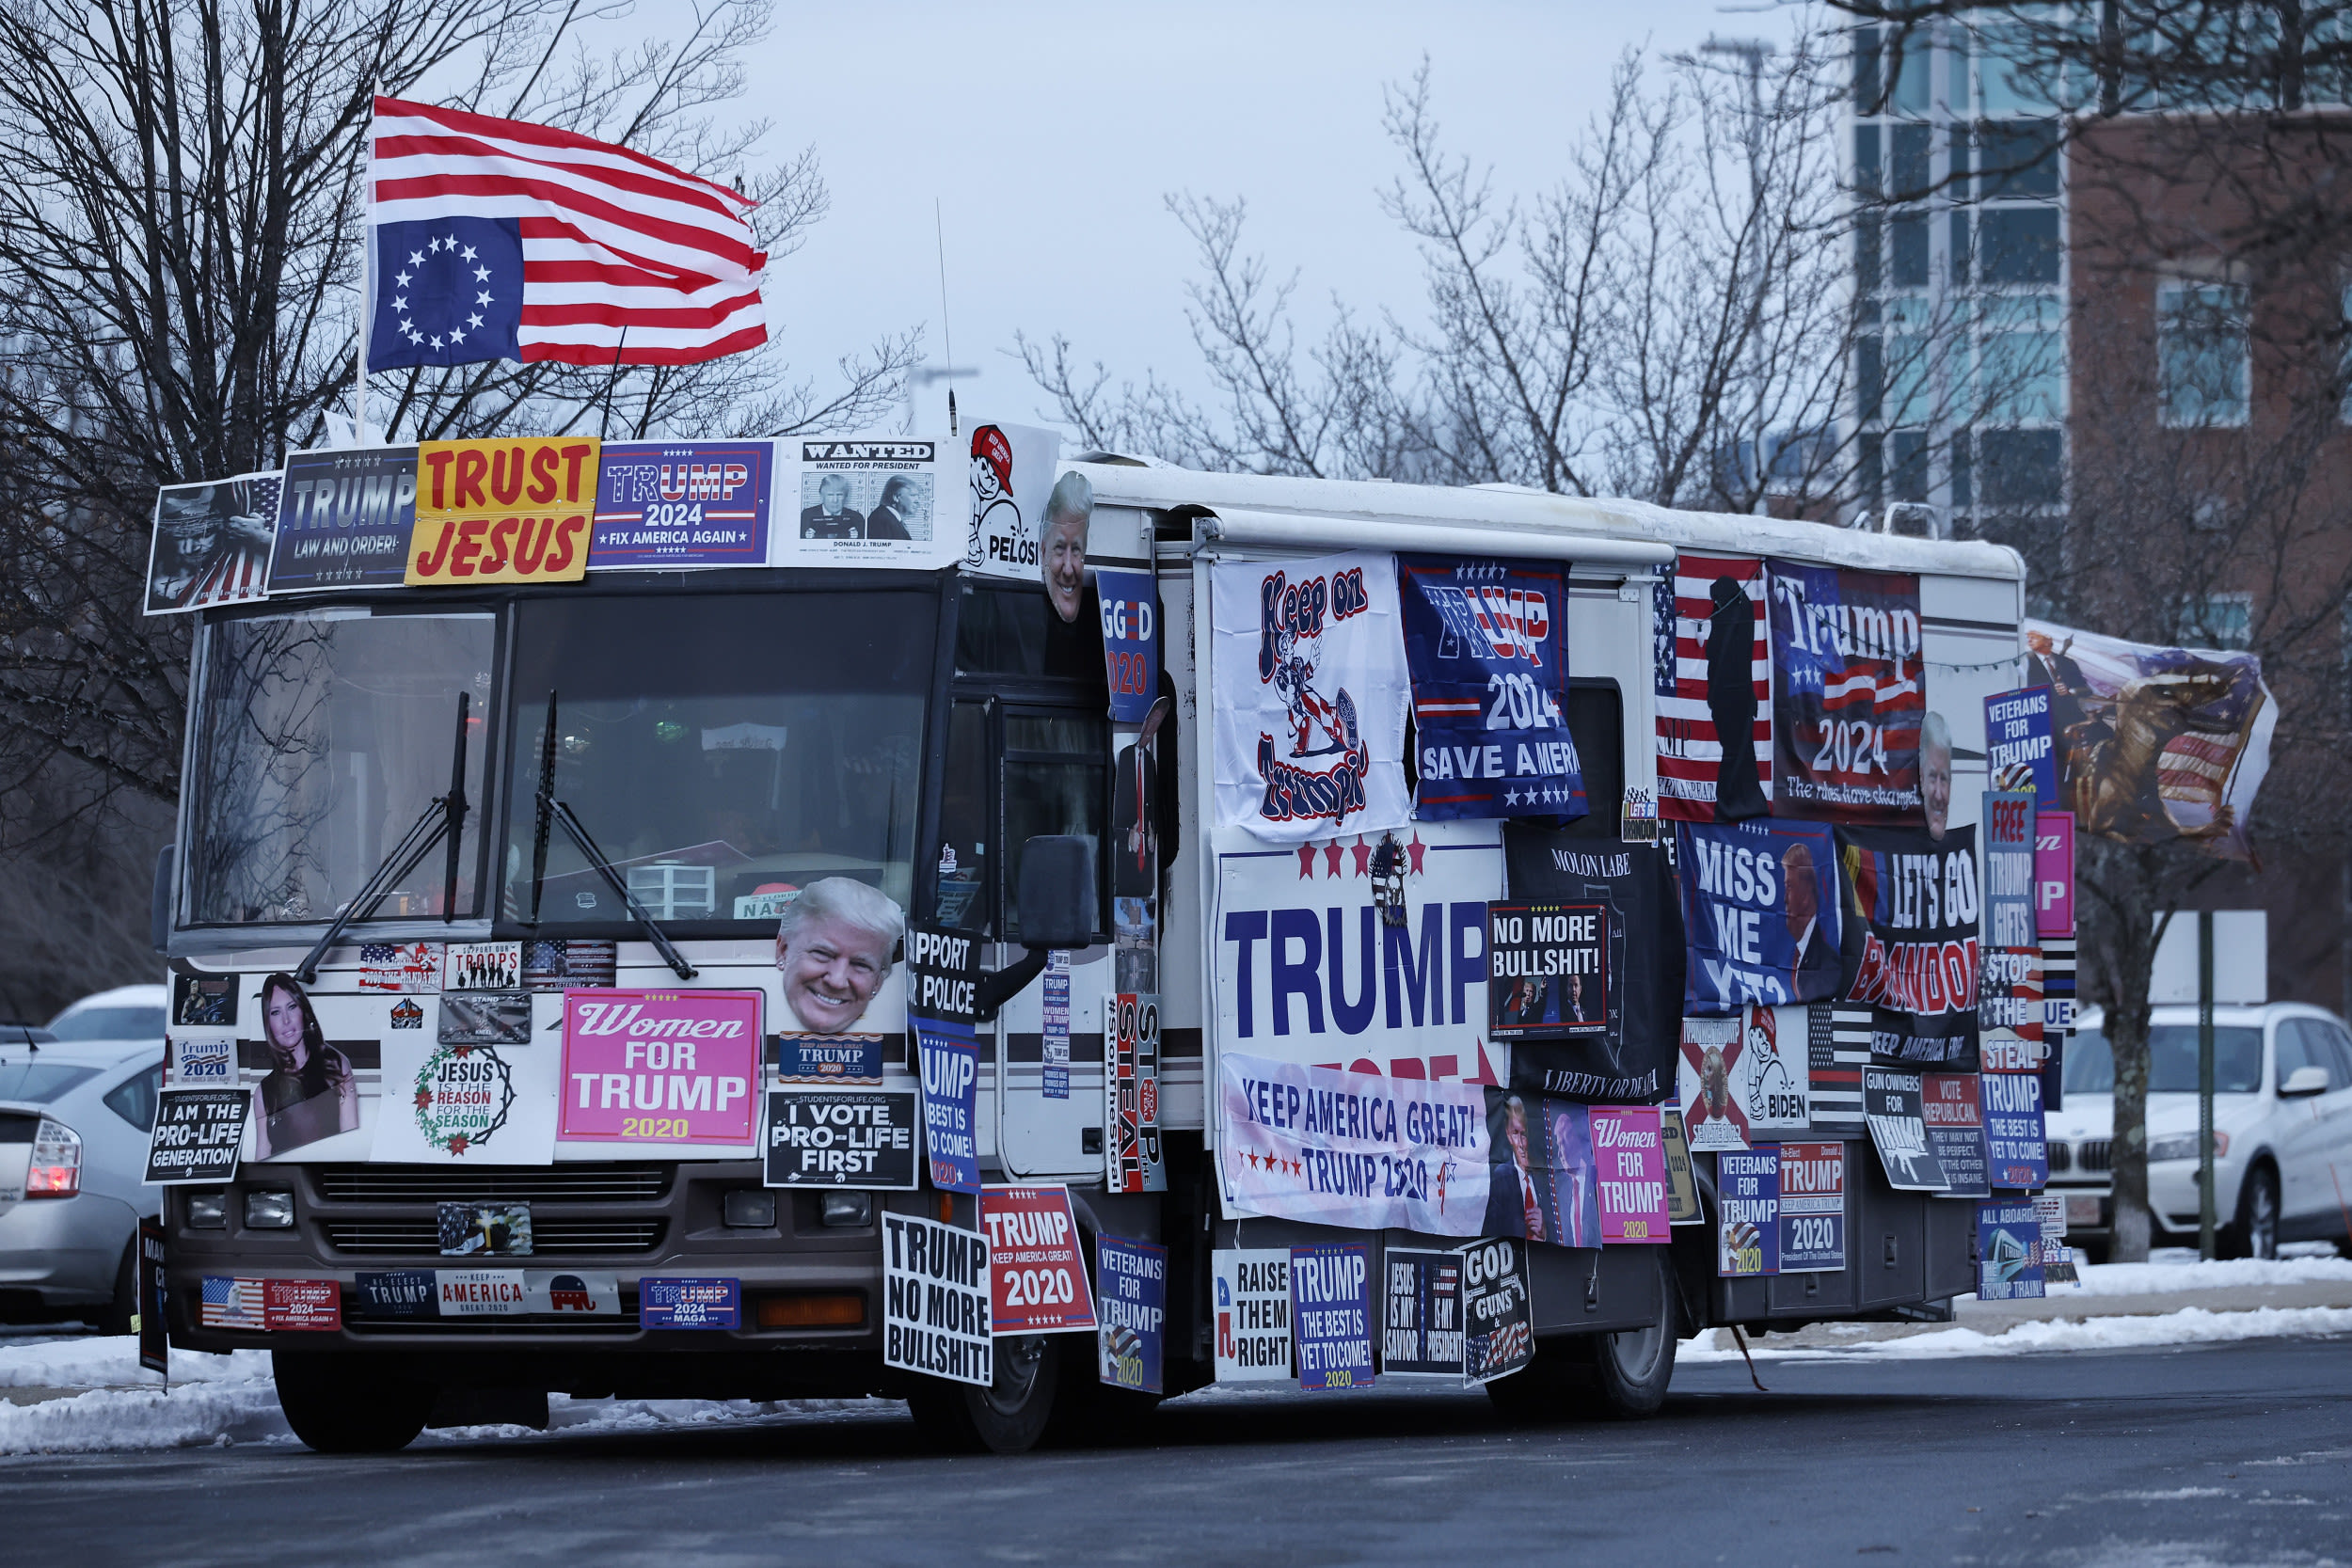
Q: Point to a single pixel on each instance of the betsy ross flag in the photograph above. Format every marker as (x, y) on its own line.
(495, 239)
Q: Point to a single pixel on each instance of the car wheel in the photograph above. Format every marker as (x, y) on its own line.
(2255, 1231)
(342, 1404)
(1006, 1416)
(1631, 1370)
(114, 1318)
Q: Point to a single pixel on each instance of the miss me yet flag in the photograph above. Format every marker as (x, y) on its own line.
(499, 239)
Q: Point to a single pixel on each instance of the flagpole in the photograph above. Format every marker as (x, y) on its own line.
(367, 274)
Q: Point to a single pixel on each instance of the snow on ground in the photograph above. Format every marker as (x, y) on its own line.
(2191, 1325)
(2148, 1279)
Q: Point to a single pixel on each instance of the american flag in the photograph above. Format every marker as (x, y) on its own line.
(1688, 750)
(495, 239)
(234, 1303)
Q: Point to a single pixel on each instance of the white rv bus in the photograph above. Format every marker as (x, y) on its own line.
(656, 766)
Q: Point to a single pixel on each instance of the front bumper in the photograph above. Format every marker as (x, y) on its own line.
(630, 1222)
(2172, 1197)
(61, 1253)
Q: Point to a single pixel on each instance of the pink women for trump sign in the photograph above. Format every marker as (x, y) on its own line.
(660, 1067)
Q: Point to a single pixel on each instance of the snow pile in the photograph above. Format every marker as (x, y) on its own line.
(2148, 1279)
(93, 1362)
(2192, 1325)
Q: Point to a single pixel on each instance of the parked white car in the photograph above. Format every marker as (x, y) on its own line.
(2282, 1129)
(76, 1105)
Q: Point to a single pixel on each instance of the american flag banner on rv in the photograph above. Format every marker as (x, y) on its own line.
(495, 239)
(1690, 644)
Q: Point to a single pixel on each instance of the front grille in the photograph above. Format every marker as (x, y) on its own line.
(550, 1237)
(2060, 1160)
(586, 1184)
(2095, 1154)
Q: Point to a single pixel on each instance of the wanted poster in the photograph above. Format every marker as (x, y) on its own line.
(1038, 1277)
(212, 543)
(465, 1105)
(1011, 477)
(1251, 1306)
(1331, 1310)
(1629, 1057)
(684, 503)
(2017, 1149)
(1421, 1319)
(1915, 891)
(1628, 1146)
(1952, 1108)
(1812, 1208)
(1761, 910)
(855, 1138)
(1747, 1188)
(935, 1300)
(1498, 1311)
(942, 979)
(1892, 1102)
(1132, 1157)
(1547, 970)
(197, 1135)
(344, 520)
(871, 501)
(1712, 666)
(1130, 1343)
(1312, 692)
(1849, 721)
(1488, 644)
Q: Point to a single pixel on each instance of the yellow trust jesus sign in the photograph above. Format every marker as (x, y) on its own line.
(502, 511)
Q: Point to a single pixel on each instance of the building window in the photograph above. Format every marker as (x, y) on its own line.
(1907, 369)
(1909, 236)
(2021, 360)
(2343, 357)
(2204, 357)
(2216, 621)
(2014, 75)
(2018, 160)
(2021, 468)
(1915, 51)
(2020, 245)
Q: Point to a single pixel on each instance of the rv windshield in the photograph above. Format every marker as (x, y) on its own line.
(320, 738)
(723, 750)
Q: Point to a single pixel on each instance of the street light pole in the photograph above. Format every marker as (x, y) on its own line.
(2204, 1085)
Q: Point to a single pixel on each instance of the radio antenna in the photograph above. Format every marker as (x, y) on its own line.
(946, 333)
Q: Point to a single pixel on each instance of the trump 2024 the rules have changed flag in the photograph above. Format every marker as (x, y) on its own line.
(1310, 693)
(1487, 641)
(1851, 694)
(496, 238)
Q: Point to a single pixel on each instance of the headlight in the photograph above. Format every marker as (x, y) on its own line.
(269, 1211)
(2182, 1146)
(208, 1211)
(55, 1170)
(847, 1209)
(749, 1209)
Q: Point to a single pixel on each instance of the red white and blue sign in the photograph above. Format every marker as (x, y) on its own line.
(1133, 1306)
(1130, 640)
(676, 1302)
(1760, 908)
(1486, 643)
(682, 503)
(2018, 750)
(1332, 1315)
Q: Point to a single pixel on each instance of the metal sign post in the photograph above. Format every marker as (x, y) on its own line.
(2204, 1085)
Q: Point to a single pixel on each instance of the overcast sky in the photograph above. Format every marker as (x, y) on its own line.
(1049, 135)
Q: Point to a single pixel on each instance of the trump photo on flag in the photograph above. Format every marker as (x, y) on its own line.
(493, 239)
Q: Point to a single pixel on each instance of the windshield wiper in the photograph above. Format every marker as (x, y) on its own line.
(443, 818)
(552, 811)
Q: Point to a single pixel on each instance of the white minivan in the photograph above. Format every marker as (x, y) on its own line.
(2282, 1129)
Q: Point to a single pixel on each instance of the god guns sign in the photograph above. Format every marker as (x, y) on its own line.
(503, 512)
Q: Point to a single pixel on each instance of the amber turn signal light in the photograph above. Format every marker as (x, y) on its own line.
(812, 1311)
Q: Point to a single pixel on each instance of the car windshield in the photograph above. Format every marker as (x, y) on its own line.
(722, 748)
(319, 739)
(39, 1081)
(2237, 1060)
(109, 1023)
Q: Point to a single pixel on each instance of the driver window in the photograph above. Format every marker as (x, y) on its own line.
(965, 822)
(1055, 780)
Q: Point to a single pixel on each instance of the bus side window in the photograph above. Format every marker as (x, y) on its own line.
(1056, 768)
(966, 825)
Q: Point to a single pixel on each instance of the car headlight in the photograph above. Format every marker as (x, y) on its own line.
(208, 1211)
(269, 1211)
(2182, 1146)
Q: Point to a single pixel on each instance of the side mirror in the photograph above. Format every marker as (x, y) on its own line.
(159, 903)
(1057, 891)
(2304, 1081)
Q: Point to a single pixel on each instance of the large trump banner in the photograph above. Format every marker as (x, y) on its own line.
(1849, 696)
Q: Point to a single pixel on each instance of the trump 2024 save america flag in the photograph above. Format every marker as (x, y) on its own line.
(499, 239)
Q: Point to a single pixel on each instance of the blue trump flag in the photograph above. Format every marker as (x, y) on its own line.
(1760, 905)
(1487, 641)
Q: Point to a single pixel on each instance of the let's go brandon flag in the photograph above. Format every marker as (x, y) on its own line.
(498, 240)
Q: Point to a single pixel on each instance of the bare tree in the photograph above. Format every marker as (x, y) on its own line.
(180, 260)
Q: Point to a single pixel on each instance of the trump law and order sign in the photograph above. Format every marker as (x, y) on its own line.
(655, 1066)
(503, 512)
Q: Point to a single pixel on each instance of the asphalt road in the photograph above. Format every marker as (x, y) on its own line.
(2237, 1453)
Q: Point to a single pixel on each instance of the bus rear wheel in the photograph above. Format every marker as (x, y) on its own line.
(1006, 1416)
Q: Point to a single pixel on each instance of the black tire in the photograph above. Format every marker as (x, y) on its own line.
(1008, 1416)
(1631, 1370)
(2254, 1233)
(115, 1317)
(340, 1404)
